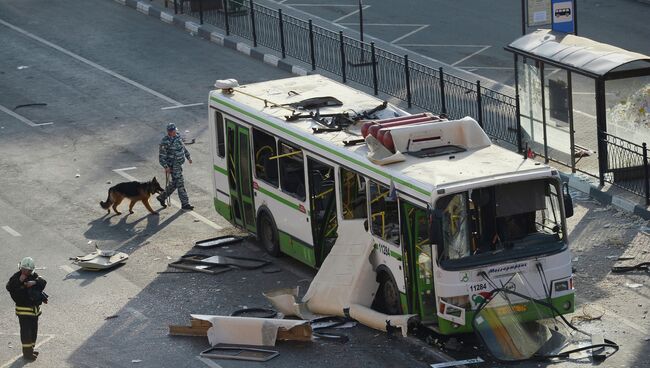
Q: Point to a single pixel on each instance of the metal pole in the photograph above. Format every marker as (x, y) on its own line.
(601, 126)
(361, 21)
(575, 17)
(200, 11)
(479, 103)
(407, 74)
(523, 17)
(443, 98)
(253, 24)
(541, 72)
(342, 45)
(225, 10)
(312, 51)
(646, 174)
(520, 145)
(373, 60)
(572, 138)
(361, 29)
(281, 23)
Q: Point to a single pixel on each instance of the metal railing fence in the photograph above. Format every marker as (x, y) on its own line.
(362, 62)
(395, 75)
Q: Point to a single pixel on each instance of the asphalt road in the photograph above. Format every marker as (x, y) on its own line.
(108, 76)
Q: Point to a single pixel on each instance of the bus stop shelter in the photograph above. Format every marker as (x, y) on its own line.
(568, 87)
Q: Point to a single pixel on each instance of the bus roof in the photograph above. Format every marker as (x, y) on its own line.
(272, 98)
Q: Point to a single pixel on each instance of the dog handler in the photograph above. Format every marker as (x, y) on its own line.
(172, 155)
(26, 289)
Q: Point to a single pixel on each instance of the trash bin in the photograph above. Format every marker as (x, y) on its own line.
(558, 104)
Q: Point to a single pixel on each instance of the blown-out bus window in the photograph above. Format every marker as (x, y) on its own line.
(221, 144)
(384, 213)
(266, 165)
(353, 195)
(505, 221)
(292, 170)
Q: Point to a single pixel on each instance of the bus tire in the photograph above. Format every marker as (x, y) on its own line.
(387, 300)
(267, 234)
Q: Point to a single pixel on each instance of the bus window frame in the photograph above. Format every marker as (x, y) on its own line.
(220, 131)
(255, 131)
(294, 148)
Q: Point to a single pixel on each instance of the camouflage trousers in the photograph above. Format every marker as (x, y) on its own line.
(177, 182)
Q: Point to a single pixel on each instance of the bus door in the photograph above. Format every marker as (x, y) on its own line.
(418, 263)
(322, 200)
(239, 175)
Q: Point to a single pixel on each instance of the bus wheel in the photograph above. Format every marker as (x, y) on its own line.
(268, 235)
(387, 299)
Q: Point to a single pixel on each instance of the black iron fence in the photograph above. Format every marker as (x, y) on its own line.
(395, 75)
(627, 165)
(365, 63)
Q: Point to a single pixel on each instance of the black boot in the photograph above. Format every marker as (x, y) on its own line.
(28, 354)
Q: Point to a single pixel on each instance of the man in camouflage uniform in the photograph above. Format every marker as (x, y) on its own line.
(172, 155)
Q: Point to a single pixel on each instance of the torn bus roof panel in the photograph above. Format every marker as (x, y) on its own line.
(380, 321)
(346, 276)
(345, 281)
(254, 331)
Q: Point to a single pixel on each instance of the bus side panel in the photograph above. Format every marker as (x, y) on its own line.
(297, 249)
(294, 229)
(390, 255)
(219, 174)
(223, 209)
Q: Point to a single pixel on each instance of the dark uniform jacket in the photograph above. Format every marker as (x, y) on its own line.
(28, 300)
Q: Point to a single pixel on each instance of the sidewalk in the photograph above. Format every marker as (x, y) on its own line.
(608, 195)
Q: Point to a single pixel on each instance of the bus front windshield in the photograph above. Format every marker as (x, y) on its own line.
(497, 223)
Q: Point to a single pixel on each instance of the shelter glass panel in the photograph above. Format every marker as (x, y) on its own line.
(530, 97)
(558, 116)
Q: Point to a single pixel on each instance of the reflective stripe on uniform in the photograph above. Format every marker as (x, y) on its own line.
(28, 311)
(29, 345)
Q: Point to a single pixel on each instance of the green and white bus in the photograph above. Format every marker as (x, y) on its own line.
(452, 216)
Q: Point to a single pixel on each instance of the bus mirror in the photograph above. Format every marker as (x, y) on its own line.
(365, 224)
(568, 201)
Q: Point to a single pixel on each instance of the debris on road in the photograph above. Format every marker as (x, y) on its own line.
(218, 241)
(197, 328)
(217, 264)
(100, 259)
(245, 330)
(239, 353)
(456, 363)
(345, 286)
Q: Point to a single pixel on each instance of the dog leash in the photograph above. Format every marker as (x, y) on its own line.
(169, 199)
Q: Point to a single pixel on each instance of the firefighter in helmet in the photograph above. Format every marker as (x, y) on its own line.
(26, 289)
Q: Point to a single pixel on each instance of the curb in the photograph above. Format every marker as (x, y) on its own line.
(229, 42)
(605, 198)
(214, 37)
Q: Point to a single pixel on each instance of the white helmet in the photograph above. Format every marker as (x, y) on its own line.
(27, 263)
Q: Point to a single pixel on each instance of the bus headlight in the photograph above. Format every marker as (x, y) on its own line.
(566, 305)
(561, 286)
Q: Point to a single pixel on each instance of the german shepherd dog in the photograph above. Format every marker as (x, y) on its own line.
(133, 190)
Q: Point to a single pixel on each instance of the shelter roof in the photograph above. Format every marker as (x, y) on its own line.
(581, 55)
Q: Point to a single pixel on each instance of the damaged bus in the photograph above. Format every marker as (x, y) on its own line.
(305, 163)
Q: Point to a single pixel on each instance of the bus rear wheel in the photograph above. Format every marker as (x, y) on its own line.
(388, 299)
(268, 235)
